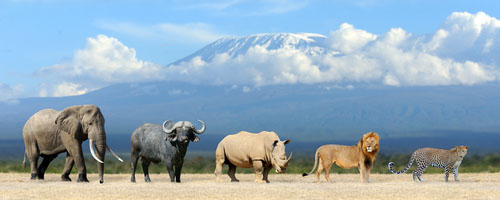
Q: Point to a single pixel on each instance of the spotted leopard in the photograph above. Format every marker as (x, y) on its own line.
(440, 158)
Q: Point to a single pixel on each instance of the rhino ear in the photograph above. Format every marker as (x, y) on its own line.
(275, 142)
(286, 141)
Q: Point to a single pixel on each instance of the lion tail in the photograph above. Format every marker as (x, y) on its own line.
(315, 163)
(405, 169)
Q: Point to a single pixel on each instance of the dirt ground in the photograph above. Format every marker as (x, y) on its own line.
(286, 186)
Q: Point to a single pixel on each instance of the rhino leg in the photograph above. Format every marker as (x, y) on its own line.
(231, 172)
(218, 171)
(257, 168)
(266, 173)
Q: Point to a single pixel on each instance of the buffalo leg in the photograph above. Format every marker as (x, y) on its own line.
(231, 173)
(43, 166)
(145, 168)
(67, 168)
(257, 168)
(170, 169)
(178, 169)
(266, 173)
(133, 163)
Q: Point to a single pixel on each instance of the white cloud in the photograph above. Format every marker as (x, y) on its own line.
(462, 52)
(103, 61)
(9, 94)
(348, 39)
(167, 32)
(69, 89)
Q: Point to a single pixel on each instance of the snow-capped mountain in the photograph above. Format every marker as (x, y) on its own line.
(310, 43)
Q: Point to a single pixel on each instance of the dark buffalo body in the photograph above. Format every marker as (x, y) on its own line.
(154, 143)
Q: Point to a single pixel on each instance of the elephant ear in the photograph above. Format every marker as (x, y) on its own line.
(68, 122)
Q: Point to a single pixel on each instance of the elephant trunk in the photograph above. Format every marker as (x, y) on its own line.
(101, 152)
(98, 140)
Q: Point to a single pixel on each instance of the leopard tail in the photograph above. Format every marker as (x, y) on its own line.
(405, 169)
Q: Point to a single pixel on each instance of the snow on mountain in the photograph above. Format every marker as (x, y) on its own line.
(310, 43)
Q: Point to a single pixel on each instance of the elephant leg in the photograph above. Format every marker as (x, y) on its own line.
(133, 163)
(257, 168)
(232, 172)
(265, 174)
(43, 166)
(68, 166)
(178, 169)
(170, 169)
(74, 148)
(145, 168)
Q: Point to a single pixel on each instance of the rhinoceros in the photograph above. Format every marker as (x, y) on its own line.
(262, 151)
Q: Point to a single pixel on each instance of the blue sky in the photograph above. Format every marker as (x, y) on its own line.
(40, 36)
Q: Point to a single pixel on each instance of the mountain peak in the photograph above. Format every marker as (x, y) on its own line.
(309, 43)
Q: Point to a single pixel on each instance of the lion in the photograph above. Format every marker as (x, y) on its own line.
(362, 156)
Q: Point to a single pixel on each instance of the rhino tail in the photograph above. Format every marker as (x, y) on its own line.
(315, 163)
(24, 160)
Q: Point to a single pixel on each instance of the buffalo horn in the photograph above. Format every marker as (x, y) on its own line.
(203, 128)
(166, 129)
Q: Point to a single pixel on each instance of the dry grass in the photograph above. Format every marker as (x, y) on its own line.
(290, 186)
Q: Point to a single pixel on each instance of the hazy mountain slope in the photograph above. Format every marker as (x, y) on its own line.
(306, 112)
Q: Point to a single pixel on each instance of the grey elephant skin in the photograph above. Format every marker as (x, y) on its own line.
(262, 151)
(50, 132)
(165, 143)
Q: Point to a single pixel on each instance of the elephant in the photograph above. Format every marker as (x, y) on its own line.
(50, 132)
(165, 143)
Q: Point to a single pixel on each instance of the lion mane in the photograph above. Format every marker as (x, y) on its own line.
(361, 156)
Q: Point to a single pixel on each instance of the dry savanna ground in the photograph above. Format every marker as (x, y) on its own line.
(285, 186)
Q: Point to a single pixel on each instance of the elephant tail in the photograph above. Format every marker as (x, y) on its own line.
(24, 160)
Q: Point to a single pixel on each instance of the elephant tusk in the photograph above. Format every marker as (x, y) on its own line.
(113, 153)
(91, 146)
